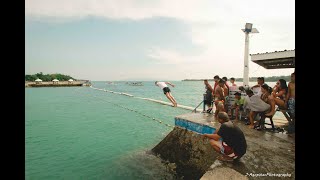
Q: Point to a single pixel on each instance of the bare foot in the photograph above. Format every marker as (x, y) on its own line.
(270, 114)
(251, 126)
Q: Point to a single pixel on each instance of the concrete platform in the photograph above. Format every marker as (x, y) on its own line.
(269, 155)
(198, 122)
(207, 119)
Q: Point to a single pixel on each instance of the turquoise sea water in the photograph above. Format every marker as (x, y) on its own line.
(83, 133)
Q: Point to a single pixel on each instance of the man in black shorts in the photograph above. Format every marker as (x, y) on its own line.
(233, 144)
(166, 91)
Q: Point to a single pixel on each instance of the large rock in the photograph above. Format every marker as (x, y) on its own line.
(191, 153)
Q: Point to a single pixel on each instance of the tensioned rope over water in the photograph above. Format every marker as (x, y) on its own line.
(154, 119)
(148, 99)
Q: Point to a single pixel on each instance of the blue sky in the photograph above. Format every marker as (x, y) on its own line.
(153, 40)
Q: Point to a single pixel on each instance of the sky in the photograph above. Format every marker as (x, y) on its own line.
(114, 40)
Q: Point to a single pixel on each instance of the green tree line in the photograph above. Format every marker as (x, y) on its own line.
(267, 79)
(251, 79)
(48, 77)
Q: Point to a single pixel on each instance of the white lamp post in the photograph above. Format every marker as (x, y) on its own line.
(248, 29)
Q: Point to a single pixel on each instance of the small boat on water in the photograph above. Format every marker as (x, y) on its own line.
(110, 82)
(135, 84)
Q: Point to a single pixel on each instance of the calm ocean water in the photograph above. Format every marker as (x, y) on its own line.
(83, 133)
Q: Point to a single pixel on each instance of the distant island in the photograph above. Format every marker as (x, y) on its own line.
(48, 77)
(53, 80)
(266, 79)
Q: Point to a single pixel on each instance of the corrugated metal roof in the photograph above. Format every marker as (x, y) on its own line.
(275, 60)
(273, 52)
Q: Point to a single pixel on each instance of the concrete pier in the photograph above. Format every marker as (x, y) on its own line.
(268, 155)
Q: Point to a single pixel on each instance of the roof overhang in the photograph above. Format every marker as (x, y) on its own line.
(275, 60)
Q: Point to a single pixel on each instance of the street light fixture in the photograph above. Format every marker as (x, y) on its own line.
(248, 29)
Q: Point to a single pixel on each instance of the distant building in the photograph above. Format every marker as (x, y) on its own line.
(55, 81)
(38, 81)
(70, 81)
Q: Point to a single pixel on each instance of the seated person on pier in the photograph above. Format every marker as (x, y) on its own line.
(238, 105)
(242, 89)
(280, 93)
(257, 88)
(268, 98)
(255, 104)
(233, 144)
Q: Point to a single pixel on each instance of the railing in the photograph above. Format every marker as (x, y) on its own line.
(204, 106)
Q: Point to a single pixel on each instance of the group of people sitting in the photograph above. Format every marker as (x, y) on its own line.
(260, 98)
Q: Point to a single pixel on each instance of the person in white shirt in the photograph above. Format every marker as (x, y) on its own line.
(257, 88)
(166, 91)
(232, 81)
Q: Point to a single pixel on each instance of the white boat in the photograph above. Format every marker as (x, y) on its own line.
(135, 84)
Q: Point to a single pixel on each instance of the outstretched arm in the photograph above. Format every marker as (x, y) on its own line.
(170, 84)
(212, 136)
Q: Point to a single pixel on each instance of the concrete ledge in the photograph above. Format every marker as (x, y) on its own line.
(267, 152)
(189, 125)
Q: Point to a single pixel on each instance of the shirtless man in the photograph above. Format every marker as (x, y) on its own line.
(166, 91)
(226, 94)
(226, 82)
(290, 99)
(219, 96)
(208, 96)
(216, 79)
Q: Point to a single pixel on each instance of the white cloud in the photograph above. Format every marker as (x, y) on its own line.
(214, 25)
(189, 10)
(168, 56)
(128, 9)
